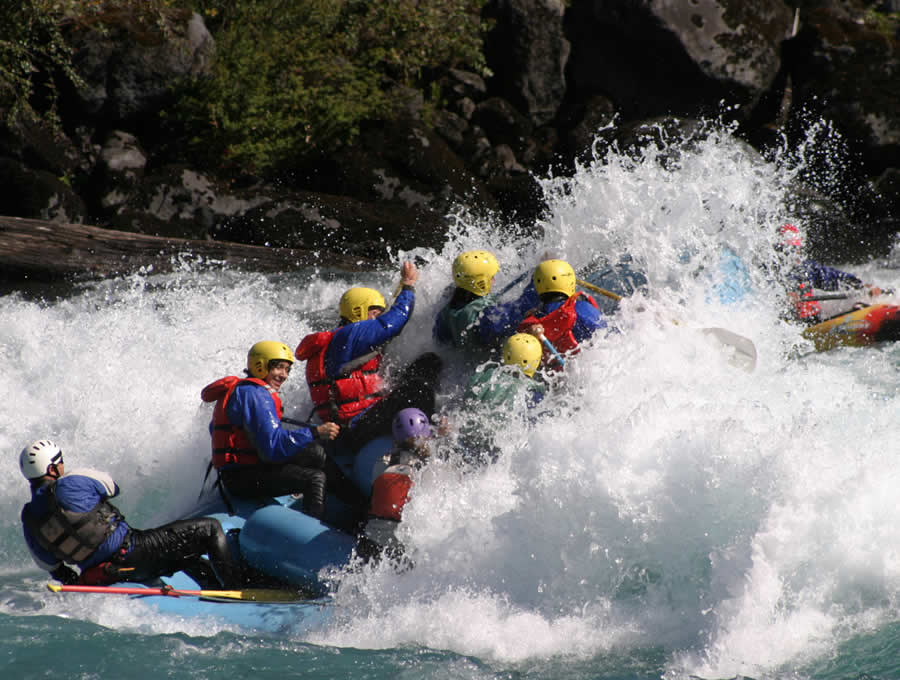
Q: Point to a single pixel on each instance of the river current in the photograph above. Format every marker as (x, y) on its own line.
(669, 515)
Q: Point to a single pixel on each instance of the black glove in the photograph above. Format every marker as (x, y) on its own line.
(65, 575)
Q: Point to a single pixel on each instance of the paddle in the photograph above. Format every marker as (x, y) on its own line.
(827, 296)
(598, 289)
(549, 346)
(744, 349)
(842, 296)
(249, 595)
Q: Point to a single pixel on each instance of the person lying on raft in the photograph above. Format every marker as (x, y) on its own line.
(568, 317)
(803, 275)
(493, 391)
(70, 521)
(412, 433)
(254, 454)
(343, 369)
(473, 319)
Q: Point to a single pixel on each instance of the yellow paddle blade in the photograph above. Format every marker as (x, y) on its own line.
(255, 595)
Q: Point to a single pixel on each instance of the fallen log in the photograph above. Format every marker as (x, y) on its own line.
(46, 251)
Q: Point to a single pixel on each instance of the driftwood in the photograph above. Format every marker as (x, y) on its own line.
(41, 250)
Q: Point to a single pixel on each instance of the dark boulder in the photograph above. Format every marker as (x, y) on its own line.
(37, 194)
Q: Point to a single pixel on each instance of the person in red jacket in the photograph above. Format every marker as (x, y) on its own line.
(567, 317)
(804, 276)
(412, 433)
(343, 367)
(253, 452)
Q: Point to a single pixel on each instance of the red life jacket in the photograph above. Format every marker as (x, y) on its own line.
(342, 398)
(390, 491)
(558, 324)
(809, 310)
(230, 444)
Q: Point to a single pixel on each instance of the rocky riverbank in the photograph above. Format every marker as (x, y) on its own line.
(568, 79)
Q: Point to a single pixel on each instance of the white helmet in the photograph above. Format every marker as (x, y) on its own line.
(37, 456)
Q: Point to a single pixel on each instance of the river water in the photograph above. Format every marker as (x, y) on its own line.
(670, 515)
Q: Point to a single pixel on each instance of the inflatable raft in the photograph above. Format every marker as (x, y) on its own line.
(282, 550)
(858, 328)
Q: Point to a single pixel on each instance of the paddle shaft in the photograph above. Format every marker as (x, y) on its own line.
(598, 289)
(251, 595)
(549, 345)
(825, 296)
(821, 297)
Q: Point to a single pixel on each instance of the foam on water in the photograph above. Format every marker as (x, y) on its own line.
(667, 499)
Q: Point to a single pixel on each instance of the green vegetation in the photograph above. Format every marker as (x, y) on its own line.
(291, 77)
(886, 23)
(35, 55)
(31, 48)
(296, 78)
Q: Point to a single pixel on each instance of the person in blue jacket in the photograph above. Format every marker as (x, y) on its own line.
(254, 453)
(70, 521)
(473, 319)
(804, 275)
(568, 317)
(343, 369)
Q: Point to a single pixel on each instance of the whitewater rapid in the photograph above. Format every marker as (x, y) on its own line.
(740, 521)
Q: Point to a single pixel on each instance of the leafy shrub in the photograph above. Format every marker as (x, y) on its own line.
(291, 77)
(295, 77)
(31, 44)
(34, 52)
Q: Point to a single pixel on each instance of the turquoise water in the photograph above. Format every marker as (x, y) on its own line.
(671, 516)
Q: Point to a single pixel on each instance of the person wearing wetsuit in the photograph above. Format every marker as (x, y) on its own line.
(70, 521)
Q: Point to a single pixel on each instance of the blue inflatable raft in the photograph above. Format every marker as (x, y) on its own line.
(282, 548)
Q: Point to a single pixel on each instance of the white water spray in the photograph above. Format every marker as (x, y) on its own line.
(738, 520)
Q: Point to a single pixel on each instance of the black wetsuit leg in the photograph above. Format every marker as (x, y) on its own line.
(343, 488)
(416, 388)
(175, 546)
(303, 475)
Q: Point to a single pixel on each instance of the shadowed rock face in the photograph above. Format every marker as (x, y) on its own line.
(849, 73)
(129, 74)
(655, 58)
(561, 71)
(528, 52)
(731, 41)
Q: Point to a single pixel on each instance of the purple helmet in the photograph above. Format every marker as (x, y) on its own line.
(410, 422)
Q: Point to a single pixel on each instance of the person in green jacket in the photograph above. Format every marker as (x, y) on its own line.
(493, 391)
(496, 385)
(473, 319)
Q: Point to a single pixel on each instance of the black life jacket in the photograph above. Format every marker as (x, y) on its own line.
(73, 536)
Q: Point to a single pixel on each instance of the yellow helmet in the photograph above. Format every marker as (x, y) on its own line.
(554, 276)
(356, 302)
(474, 271)
(262, 353)
(524, 350)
